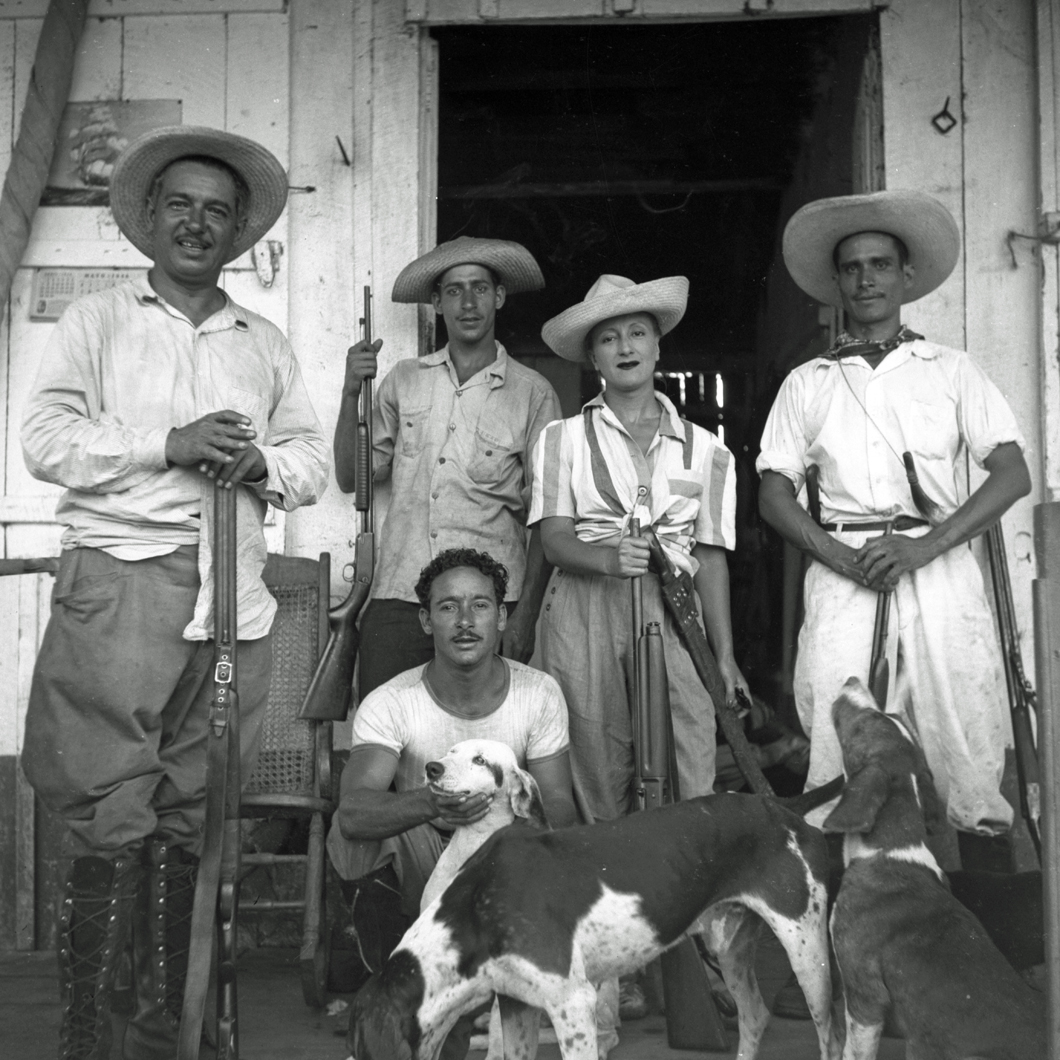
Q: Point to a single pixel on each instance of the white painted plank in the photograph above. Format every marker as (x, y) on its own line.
(920, 49)
(97, 62)
(1001, 195)
(258, 80)
(28, 340)
(178, 58)
(270, 302)
(14, 9)
(323, 251)
(9, 601)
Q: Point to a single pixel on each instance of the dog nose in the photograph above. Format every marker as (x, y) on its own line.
(434, 770)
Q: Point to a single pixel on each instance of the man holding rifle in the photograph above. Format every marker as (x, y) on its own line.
(151, 397)
(889, 417)
(453, 431)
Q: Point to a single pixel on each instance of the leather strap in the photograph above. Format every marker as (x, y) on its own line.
(902, 522)
(218, 768)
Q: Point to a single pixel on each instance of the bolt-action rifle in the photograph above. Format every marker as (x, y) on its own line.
(1021, 696)
(328, 697)
(692, 1020)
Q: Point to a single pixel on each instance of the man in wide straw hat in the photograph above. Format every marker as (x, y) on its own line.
(879, 392)
(453, 432)
(150, 397)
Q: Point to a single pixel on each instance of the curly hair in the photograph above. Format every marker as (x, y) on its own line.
(462, 557)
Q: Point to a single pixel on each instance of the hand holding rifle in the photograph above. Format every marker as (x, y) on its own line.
(331, 689)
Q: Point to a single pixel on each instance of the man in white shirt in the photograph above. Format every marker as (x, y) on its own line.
(881, 392)
(151, 397)
(467, 691)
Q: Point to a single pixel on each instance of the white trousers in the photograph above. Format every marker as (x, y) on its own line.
(942, 628)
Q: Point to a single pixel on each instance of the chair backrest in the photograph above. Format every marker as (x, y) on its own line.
(287, 759)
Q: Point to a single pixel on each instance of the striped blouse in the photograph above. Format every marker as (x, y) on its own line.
(588, 468)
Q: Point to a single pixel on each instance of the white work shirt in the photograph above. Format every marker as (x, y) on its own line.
(854, 422)
(122, 369)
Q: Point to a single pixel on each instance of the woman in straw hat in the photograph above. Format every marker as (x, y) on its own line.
(629, 457)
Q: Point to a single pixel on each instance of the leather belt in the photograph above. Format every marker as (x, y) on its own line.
(901, 522)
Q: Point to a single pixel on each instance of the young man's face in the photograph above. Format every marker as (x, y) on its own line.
(465, 618)
(871, 279)
(468, 300)
(194, 223)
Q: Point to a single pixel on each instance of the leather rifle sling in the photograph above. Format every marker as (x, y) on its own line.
(204, 909)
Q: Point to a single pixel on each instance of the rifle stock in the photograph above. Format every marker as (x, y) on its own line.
(330, 691)
(679, 596)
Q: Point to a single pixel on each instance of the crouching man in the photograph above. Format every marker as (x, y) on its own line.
(391, 839)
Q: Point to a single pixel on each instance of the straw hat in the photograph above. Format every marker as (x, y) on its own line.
(512, 262)
(142, 161)
(615, 296)
(922, 223)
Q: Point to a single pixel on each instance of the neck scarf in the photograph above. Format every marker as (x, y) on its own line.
(846, 345)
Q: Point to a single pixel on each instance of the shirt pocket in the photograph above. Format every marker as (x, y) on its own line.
(414, 430)
(492, 456)
(255, 406)
(931, 429)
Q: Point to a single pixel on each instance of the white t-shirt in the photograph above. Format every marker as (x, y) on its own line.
(403, 718)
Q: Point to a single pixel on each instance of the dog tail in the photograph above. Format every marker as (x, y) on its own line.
(810, 800)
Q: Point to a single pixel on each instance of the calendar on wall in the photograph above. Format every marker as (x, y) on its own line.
(55, 289)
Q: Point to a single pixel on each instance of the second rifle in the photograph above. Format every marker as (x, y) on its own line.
(692, 1020)
(330, 692)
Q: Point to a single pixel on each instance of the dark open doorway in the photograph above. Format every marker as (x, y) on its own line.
(658, 150)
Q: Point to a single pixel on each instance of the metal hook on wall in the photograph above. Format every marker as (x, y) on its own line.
(1050, 235)
(944, 121)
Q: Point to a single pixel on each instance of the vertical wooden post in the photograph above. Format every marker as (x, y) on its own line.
(1047, 652)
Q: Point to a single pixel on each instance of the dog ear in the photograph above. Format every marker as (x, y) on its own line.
(525, 798)
(863, 795)
(930, 803)
(375, 1031)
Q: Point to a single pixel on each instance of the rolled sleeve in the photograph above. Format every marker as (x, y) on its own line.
(378, 722)
(549, 737)
(716, 520)
(295, 450)
(553, 492)
(984, 417)
(784, 438)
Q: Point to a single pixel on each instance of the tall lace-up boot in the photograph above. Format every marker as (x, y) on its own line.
(93, 928)
(161, 939)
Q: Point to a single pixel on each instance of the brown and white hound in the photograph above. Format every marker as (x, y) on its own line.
(902, 941)
(539, 917)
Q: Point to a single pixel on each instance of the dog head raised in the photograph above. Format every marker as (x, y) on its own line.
(489, 767)
(884, 767)
(383, 1024)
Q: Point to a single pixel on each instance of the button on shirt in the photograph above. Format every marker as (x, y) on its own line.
(458, 455)
(123, 368)
(588, 468)
(854, 422)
